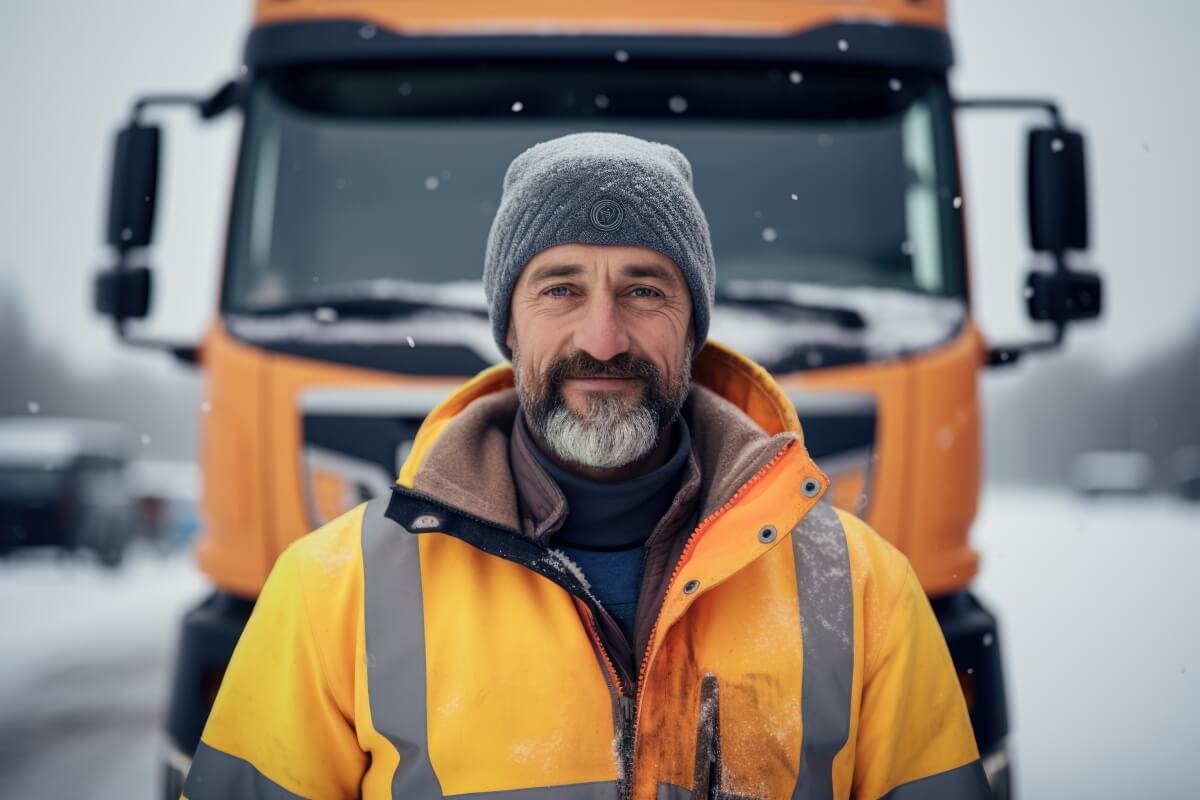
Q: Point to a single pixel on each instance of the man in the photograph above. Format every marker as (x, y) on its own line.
(605, 572)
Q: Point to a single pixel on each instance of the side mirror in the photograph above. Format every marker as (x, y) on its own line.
(134, 187)
(1063, 295)
(123, 293)
(1057, 203)
(1057, 190)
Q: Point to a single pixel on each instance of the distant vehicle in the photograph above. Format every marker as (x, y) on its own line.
(62, 484)
(166, 495)
(1183, 472)
(1112, 472)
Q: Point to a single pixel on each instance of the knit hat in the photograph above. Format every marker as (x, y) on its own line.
(598, 188)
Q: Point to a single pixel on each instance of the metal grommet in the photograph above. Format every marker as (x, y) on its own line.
(767, 534)
(691, 586)
(811, 487)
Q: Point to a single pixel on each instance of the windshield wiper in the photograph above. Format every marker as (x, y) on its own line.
(770, 299)
(368, 307)
(380, 299)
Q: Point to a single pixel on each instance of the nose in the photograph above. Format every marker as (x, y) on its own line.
(600, 332)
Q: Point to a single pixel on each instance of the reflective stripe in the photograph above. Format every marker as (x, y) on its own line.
(599, 790)
(216, 775)
(395, 640)
(968, 782)
(827, 624)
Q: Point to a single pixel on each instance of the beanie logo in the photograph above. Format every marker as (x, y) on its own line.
(606, 215)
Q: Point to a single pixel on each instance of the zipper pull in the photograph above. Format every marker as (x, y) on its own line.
(628, 712)
(625, 751)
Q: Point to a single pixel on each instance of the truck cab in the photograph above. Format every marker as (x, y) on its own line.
(374, 142)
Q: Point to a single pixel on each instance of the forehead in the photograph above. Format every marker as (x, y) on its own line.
(594, 260)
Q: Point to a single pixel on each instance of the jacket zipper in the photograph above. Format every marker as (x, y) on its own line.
(684, 557)
(628, 704)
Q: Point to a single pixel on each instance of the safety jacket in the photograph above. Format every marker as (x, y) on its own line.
(424, 645)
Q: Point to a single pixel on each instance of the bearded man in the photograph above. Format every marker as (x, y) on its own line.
(605, 571)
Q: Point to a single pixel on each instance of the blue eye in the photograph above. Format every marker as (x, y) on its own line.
(558, 291)
(645, 291)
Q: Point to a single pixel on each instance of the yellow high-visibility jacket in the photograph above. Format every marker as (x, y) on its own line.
(423, 645)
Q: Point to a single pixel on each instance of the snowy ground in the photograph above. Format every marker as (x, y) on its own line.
(1096, 600)
(85, 659)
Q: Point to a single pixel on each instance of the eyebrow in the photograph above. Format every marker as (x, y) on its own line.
(552, 271)
(556, 271)
(648, 271)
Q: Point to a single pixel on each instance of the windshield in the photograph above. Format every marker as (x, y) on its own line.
(370, 190)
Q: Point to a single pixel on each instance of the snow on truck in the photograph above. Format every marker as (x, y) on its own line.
(375, 136)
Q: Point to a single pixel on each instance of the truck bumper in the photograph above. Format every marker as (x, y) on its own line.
(209, 633)
(973, 637)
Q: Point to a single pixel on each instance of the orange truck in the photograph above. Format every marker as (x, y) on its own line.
(374, 141)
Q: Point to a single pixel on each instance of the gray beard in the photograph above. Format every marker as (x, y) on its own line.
(611, 435)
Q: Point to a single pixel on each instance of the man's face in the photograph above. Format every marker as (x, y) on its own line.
(602, 344)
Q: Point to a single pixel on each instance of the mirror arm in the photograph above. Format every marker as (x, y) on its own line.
(229, 94)
(1009, 104)
(183, 352)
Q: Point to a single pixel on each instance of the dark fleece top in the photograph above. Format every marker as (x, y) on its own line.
(608, 522)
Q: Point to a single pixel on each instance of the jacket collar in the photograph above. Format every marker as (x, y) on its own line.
(741, 419)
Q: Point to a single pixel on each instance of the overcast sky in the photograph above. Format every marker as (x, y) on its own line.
(1125, 72)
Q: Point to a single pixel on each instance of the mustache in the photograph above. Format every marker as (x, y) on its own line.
(582, 365)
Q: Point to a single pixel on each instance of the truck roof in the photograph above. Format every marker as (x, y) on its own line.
(894, 34)
(743, 17)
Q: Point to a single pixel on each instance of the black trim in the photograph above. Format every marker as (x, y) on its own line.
(904, 46)
(434, 359)
(972, 636)
(369, 438)
(206, 641)
(831, 433)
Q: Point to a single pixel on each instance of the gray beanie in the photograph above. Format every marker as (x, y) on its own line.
(598, 188)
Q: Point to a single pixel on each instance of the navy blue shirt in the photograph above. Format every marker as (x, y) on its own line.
(608, 522)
